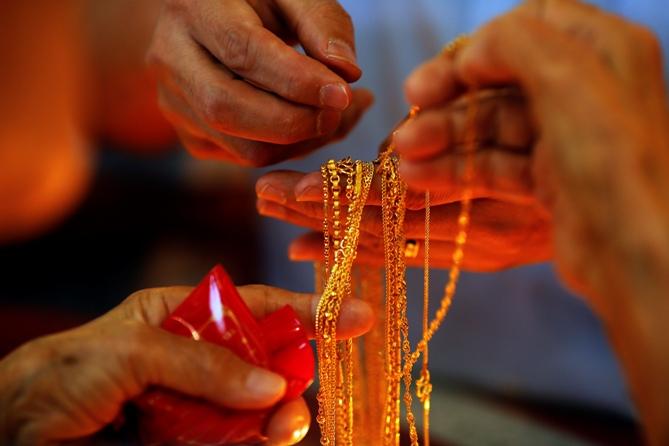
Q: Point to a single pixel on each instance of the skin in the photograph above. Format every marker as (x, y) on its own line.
(70, 385)
(236, 90)
(599, 158)
(581, 149)
(497, 236)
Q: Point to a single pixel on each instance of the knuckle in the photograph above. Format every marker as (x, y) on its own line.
(236, 45)
(649, 40)
(135, 338)
(214, 107)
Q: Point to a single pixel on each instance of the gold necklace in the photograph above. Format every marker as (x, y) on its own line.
(380, 361)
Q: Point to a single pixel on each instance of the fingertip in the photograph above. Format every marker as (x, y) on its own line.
(363, 98)
(413, 86)
(307, 247)
(289, 424)
(356, 318)
(431, 83)
(335, 96)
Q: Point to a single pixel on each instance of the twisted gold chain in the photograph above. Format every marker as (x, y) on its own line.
(336, 364)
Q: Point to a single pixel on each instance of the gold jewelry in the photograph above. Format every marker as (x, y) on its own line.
(327, 313)
(380, 361)
(411, 249)
(423, 384)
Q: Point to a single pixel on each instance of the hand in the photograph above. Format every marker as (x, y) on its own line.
(236, 90)
(70, 385)
(527, 146)
(597, 158)
(502, 234)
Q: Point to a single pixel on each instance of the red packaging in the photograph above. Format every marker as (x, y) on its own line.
(214, 312)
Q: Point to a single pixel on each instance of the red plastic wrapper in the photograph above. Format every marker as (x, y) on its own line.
(214, 312)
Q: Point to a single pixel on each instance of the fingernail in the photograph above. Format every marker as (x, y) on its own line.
(334, 96)
(327, 122)
(264, 384)
(338, 49)
(269, 192)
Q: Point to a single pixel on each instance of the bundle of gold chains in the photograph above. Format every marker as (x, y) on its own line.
(360, 382)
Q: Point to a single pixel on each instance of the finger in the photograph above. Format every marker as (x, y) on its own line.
(283, 186)
(212, 96)
(502, 120)
(151, 306)
(355, 319)
(492, 222)
(206, 143)
(495, 173)
(432, 83)
(289, 424)
(325, 30)
(198, 369)
(280, 212)
(479, 257)
(241, 43)
(309, 188)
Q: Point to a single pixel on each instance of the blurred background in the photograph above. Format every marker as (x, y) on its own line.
(98, 200)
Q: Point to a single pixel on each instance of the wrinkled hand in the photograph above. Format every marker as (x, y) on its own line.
(500, 233)
(595, 106)
(596, 158)
(235, 88)
(70, 385)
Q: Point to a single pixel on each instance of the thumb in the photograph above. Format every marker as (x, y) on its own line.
(325, 31)
(201, 370)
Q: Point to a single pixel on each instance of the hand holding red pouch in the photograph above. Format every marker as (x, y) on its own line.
(214, 312)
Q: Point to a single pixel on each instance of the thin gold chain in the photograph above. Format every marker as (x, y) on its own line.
(461, 237)
(423, 384)
(336, 367)
(329, 306)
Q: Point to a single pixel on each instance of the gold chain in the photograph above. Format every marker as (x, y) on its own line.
(326, 219)
(329, 306)
(423, 384)
(336, 359)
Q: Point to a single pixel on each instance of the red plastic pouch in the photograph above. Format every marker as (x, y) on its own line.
(214, 312)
